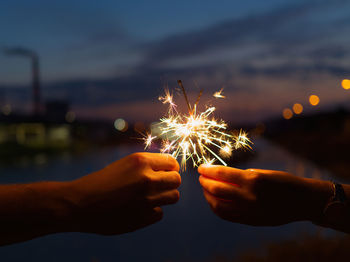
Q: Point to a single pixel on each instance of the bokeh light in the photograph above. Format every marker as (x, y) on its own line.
(346, 84)
(297, 108)
(121, 125)
(314, 100)
(139, 126)
(70, 117)
(6, 110)
(287, 113)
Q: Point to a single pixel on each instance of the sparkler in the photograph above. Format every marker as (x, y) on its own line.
(195, 136)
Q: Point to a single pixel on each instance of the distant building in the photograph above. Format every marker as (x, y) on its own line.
(34, 132)
(56, 110)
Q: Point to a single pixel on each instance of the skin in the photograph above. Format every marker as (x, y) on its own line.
(123, 197)
(266, 197)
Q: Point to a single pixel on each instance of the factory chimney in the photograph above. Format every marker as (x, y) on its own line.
(33, 56)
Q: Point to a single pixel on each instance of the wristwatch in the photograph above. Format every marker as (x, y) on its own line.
(336, 208)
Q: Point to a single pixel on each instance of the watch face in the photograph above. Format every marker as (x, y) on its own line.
(335, 211)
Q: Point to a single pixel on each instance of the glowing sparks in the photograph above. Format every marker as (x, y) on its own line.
(226, 151)
(196, 136)
(219, 94)
(168, 99)
(242, 140)
(148, 138)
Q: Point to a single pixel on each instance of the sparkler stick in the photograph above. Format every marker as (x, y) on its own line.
(196, 136)
(185, 95)
(198, 98)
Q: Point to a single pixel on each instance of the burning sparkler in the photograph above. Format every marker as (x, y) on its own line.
(194, 136)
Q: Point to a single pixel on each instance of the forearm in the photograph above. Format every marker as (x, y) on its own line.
(32, 210)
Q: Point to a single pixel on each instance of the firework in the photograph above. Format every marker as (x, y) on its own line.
(195, 136)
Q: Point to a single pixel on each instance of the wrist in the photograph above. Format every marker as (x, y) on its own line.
(48, 206)
(319, 193)
(72, 197)
(64, 204)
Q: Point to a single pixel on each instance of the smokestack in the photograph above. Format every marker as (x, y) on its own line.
(35, 74)
(36, 85)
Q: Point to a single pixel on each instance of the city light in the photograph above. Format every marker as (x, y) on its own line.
(70, 117)
(287, 113)
(314, 100)
(298, 108)
(346, 84)
(121, 125)
(6, 110)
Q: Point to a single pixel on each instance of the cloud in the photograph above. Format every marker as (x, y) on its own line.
(265, 61)
(282, 31)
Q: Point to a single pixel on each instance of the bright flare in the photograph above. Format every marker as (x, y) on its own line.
(196, 136)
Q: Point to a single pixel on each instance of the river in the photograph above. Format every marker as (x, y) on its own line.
(189, 230)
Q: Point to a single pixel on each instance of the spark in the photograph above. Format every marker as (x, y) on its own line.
(148, 138)
(219, 94)
(196, 136)
(242, 140)
(226, 150)
(168, 99)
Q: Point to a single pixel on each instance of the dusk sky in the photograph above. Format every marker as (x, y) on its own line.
(111, 58)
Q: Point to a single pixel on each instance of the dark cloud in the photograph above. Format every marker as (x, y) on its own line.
(294, 69)
(285, 36)
(336, 51)
(111, 36)
(281, 32)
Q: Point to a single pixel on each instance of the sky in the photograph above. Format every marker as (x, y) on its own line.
(112, 58)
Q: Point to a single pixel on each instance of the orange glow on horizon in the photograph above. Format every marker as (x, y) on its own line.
(314, 100)
(346, 84)
(287, 113)
(298, 108)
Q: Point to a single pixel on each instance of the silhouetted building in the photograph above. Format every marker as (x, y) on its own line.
(57, 110)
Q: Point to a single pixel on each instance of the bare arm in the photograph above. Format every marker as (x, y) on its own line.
(120, 198)
(33, 210)
(268, 198)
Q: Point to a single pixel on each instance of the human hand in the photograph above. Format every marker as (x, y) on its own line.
(125, 195)
(262, 197)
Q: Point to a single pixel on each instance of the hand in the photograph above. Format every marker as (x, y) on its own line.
(125, 195)
(262, 197)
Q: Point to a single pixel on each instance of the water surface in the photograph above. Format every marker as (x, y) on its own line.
(189, 230)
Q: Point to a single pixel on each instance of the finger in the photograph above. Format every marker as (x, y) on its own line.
(161, 181)
(224, 210)
(212, 201)
(220, 189)
(163, 162)
(164, 198)
(156, 215)
(216, 204)
(267, 172)
(150, 217)
(222, 173)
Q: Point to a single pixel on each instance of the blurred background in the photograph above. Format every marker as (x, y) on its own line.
(80, 79)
